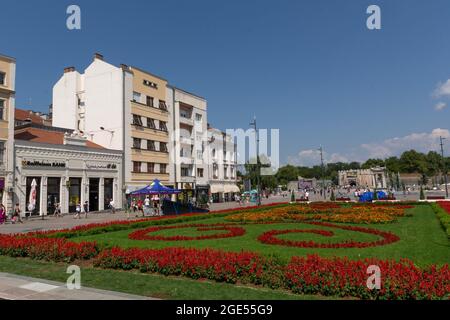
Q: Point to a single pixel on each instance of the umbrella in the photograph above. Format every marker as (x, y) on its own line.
(156, 187)
(32, 198)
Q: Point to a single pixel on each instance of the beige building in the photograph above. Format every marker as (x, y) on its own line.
(7, 101)
(364, 178)
(149, 129)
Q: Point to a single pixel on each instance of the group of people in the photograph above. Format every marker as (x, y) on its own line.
(147, 206)
(15, 218)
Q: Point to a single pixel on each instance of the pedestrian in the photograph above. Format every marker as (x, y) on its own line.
(86, 209)
(2, 214)
(112, 207)
(78, 211)
(147, 206)
(140, 205)
(16, 215)
(57, 212)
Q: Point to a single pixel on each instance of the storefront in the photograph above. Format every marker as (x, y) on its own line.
(67, 174)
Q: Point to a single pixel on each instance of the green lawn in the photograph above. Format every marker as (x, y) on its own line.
(422, 239)
(157, 286)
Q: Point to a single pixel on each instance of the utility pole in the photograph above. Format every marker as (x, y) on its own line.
(444, 166)
(258, 164)
(322, 172)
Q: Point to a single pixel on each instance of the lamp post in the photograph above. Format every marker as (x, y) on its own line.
(258, 165)
(444, 166)
(322, 172)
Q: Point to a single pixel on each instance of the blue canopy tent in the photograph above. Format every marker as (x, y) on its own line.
(156, 188)
(368, 196)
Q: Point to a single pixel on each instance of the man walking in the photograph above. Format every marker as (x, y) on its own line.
(86, 209)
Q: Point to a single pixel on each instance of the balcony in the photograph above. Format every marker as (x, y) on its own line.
(186, 120)
(186, 140)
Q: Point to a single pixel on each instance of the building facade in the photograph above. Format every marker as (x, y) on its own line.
(222, 160)
(188, 127)
(364, 178)
(63, 167)
(120, 108)
(7, 105)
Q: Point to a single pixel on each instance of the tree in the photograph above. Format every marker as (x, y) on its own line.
(332, 196)
(422, 193)
(286, 174)
(292, 197)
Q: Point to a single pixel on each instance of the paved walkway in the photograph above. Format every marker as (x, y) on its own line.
(13, 287)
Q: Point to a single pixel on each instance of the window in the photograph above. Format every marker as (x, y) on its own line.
(199, 155)
(149, 101)
(136, 143)
(151, 145)
(151, 123)
(198, 117)
(185, 172)
(2, 152)
(163, 168)
(214, 153)
(215, 171)
(2, 108)
(150, 167)
(225, 172)
(2, 78)
(162, 126)
(136, 96)
(137, 121)
(200, 173)
(162, 105)
(150, 84)
(136, 166)
(163, 147)
(185, 114)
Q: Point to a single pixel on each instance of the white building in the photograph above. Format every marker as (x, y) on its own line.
(65, 168)
(222, 159)
(188, 133)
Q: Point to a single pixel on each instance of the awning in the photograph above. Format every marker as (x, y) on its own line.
(231, 188)
(216, 188)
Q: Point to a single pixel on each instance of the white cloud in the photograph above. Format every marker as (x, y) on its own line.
(440, 106)
(311, 157)
(442, 89)
(422, 142)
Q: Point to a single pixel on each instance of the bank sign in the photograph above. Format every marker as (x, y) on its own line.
(37, 163)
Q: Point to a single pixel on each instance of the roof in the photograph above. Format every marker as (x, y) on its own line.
(25, 115)
(46, 135)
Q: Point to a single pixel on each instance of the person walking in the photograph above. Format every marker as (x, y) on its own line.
(16, 215)
(111, 206)
(147, 207)
(78, 211)
(57, 212)
(86, 209)
(2, 214)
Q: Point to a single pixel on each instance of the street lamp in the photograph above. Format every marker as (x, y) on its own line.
(258, 165)
(444, 165)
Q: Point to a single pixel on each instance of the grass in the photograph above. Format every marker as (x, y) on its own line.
(422, 239)
(157, 286)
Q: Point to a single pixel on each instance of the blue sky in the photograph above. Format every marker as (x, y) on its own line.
(308, 67)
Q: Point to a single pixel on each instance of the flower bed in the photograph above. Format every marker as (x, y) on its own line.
(46, 248)
(332, 212)
(310, 275)
(233, 231)
(270, 237)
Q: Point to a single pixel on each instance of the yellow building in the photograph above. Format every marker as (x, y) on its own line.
(7, 101)
(149, 129)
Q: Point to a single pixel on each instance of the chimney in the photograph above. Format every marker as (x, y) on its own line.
(124, 67)
(98, 56)
(69, 69)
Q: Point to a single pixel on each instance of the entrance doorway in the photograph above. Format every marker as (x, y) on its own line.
(108, 191)
(74, 193)
(53, 193)
(94, 184)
